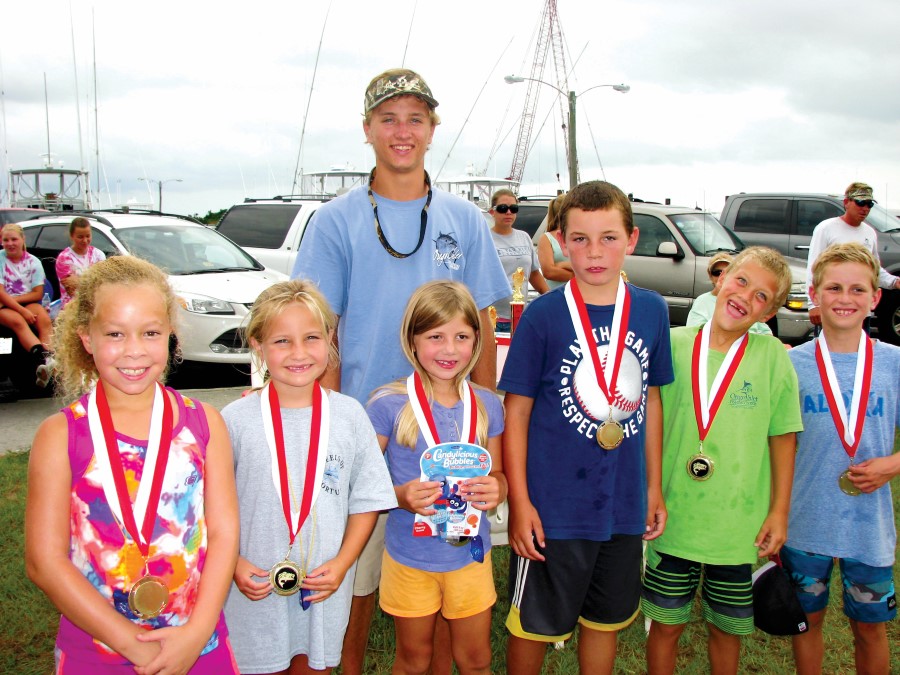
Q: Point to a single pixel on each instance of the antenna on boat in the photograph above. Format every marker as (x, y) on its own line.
(474, 103)
(47, 118)
(408, 33)
(77, 100)
(96, 111)
(312, 85)
(5, 148)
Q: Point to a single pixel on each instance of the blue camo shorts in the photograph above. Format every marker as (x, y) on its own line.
(869, 594)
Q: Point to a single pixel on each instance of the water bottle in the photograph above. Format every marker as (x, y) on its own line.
(46, 301)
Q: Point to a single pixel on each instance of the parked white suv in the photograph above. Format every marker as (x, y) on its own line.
(215, 281)
(271, 229)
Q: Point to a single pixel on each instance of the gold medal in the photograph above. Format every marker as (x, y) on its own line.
(847, 486)
(610, 434)
(700, 467)
(148, 597)
(286, 577)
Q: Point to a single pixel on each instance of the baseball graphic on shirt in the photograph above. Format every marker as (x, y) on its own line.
(627, 393)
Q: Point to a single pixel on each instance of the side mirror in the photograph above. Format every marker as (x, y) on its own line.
(668, 249)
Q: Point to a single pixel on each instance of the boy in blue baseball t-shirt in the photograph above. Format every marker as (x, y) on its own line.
(583, 441)
(841, 505)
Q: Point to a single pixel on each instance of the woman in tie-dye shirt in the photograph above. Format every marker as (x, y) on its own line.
(131, 486)
(20, 299)
(75, 259)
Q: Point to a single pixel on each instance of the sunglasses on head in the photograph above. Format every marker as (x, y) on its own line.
(716, 273)
(503, 208)
(864, 203)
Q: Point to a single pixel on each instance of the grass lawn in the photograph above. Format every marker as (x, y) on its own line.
(28, 621)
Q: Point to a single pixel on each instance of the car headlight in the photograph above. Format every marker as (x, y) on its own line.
(797, 301)
(202, 304)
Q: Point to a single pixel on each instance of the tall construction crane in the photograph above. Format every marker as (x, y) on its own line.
(549, 40)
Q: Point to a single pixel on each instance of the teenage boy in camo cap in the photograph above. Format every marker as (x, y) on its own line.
(369, 249)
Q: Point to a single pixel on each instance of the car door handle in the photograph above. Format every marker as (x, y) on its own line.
(801, 248)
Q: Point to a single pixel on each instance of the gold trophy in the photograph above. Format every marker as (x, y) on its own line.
(517, 304)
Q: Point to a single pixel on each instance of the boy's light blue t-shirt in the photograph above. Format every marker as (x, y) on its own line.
(823, 519)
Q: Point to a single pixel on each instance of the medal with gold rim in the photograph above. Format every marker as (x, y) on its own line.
(848, 430)
(286, 576)
(149, 595)
(610, 433)
(700, 467)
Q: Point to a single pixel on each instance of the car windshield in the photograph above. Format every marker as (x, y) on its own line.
(705, 234)
(184, 249)
(882, 220)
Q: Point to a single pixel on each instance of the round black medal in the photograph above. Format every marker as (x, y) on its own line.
(700, 467)
(286, 577)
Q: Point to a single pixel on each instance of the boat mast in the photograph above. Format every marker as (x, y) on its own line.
(77, 101)
(297, 168)
(96, 111)
(5, 148)
(47, 118)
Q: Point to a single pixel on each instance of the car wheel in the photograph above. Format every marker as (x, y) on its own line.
(887, 314)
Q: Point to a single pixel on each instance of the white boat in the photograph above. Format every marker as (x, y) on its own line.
(53, 189)
(477, 189)
(335, 181)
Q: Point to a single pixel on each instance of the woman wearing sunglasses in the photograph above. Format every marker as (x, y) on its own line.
(515, 250)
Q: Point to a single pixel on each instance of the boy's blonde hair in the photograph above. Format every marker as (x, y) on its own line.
(771, 260)
(273, 301)
(76, 371)
(846, 253)
(433, 305)
(596, 195)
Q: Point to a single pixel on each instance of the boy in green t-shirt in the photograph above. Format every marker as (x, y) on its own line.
(728, 461)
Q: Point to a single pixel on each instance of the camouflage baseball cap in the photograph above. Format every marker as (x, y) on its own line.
(397, 82)
(860, 191)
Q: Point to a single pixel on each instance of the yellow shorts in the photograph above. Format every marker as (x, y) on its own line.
(409, 593)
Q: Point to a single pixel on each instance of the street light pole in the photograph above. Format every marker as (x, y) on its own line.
(573, 98)
(159, 184)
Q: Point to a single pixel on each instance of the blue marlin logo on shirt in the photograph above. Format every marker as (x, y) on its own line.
(446, 251)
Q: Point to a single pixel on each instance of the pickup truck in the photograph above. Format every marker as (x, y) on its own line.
(271, 229)
(785, 221)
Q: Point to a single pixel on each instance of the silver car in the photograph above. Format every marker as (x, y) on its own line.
(671, 256)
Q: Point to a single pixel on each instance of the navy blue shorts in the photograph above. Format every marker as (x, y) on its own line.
(593, 583)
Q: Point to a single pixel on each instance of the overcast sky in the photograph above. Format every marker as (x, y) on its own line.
(725, 96)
